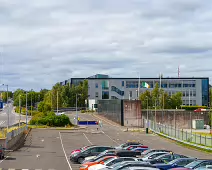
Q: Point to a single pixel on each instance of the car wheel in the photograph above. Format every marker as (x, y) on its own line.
(80, 160)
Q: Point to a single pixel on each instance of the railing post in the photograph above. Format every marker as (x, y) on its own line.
(186, 135)
(200, 139)
(205, 140)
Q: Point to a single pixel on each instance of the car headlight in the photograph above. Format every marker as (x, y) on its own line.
(75, 154)
(84, 166)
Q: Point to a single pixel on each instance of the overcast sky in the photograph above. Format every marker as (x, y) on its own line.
(46, 41)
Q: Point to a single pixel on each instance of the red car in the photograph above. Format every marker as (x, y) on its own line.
(81, 149)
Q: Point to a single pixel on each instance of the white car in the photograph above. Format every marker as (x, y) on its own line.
(111, 162)
(59, 114)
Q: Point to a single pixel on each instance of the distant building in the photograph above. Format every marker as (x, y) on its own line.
(195, 90)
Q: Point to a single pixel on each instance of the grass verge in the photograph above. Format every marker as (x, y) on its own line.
(185, 145)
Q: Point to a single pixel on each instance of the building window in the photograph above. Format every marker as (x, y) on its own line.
(96, 85)
(122, 83)
(194, 93)
(194, 103)
(105, 84)
(130, 93)
(96, 94)
(105, 94)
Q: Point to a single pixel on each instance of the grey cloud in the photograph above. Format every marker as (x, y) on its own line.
(43, 42)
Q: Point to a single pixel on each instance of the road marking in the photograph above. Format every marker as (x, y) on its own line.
(2, 122)
(4, 159)
(111, 138)
(64, 151)
(87, 139)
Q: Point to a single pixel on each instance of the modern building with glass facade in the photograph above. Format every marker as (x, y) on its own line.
(195, 90)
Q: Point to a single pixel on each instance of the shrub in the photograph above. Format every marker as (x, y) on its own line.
(193, 107)
(83, 111)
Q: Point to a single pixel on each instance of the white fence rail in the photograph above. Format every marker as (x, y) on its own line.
(179, 134)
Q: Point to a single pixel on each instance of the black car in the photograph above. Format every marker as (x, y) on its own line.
(166, 158)
(91, 151)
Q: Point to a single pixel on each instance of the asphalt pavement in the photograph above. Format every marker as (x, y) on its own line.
(50, 149)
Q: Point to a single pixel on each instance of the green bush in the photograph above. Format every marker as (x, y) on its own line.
(50, 119)
(83, 111)
(193, 107)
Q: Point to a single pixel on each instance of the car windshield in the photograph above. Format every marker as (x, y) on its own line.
(193, 164)
(173, 161)
(146, 152)
(109, 160)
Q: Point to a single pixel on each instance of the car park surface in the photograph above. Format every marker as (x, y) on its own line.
(50, 149)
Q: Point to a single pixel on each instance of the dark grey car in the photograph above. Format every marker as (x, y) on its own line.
(91, 151)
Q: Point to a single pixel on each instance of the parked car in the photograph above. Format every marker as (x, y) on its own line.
(153, 155)
(91, 151)
(111, 162)
(127, 164)
(86, 165)
(180, 162)
(118, 153)
(140, 149)
(81, 149)
(154, 150)
(197, 164)
(166, 158)
(124, 145)
(130, 147)
(2, 153)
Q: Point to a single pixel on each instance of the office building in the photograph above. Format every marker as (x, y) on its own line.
(195, 90)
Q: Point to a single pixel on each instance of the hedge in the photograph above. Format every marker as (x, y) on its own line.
(50, 119)
(194, 107)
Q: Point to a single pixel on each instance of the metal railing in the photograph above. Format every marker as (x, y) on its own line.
(180, 134)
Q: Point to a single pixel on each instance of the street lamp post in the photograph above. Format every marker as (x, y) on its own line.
(26, 112)
(19, 111)
(31, 103)
(147, 128)
(76, 108)
(8, 117)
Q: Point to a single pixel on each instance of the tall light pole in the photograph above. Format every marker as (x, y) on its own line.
(26, 111)
(57, 102)
(8, 117)
(31, 102)
(76, 108)
(19, 111)
(147, 128)
(139, 82)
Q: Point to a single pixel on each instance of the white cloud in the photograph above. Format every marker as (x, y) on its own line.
(46, 41)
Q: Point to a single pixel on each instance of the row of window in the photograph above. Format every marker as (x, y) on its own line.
(115, 89)
(134, 84)
(192, 102)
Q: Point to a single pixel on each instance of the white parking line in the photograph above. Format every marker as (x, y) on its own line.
(4, 159)
(111, 138)
(87, 139)
(65, 152)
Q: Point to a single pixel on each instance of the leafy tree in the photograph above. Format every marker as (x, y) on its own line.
(4, 96)
(176, 100)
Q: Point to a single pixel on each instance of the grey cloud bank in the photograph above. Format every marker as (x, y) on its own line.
(46, 41)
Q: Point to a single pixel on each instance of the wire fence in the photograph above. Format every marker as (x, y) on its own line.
(180, 133)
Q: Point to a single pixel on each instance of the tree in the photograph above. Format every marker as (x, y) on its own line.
(4, 95)
(176, 100)
(161, 99)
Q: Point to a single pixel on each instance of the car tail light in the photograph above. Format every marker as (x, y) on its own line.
(129, 148)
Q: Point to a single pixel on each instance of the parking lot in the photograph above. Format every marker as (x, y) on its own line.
(50, 149)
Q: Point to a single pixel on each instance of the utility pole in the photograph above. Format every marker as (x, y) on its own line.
(31, 103)
(8, 117)
(57, 102)
(26, 112)
(19, 111)
(139, 82)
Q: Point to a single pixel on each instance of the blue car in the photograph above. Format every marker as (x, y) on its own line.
(180, 162)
